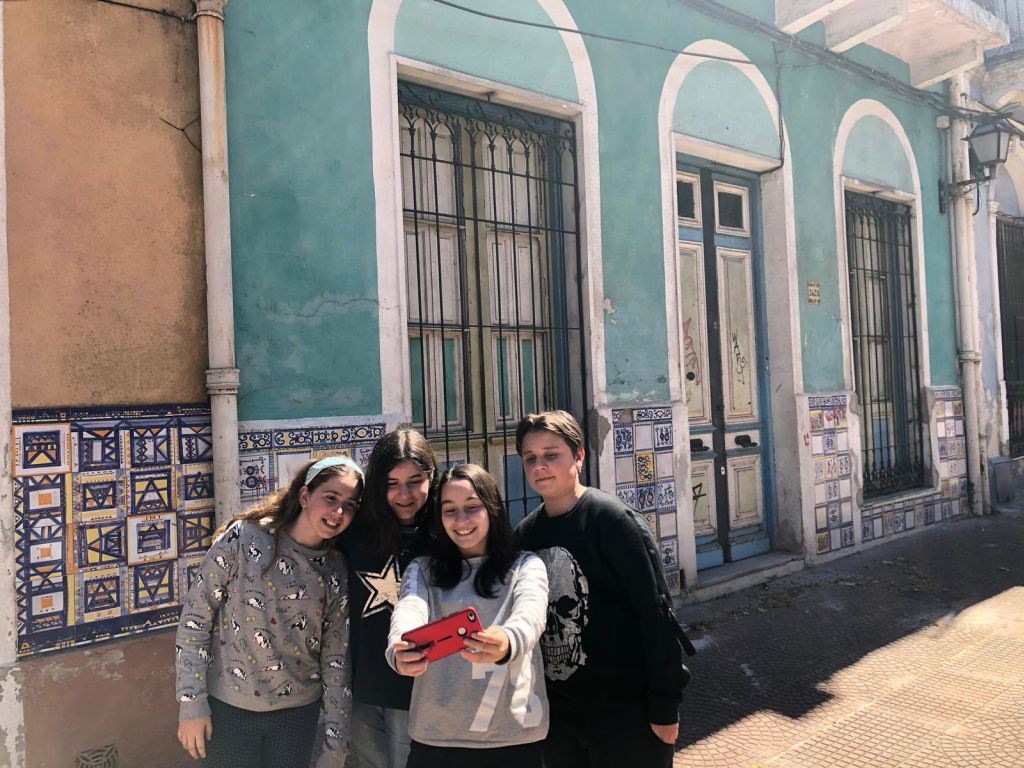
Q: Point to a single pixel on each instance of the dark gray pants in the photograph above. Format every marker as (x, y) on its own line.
(245, 739)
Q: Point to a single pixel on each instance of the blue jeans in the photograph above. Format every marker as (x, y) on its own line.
(379, 736)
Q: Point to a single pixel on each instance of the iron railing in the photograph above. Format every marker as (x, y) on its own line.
(883, 308)
(494, 275)
(1010, 256)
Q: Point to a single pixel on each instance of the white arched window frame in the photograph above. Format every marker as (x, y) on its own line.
(911, 198)
(386, 67)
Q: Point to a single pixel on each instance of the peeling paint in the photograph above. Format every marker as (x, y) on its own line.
(12, 724)
(609, 310)
(602, 426)
(102, 663)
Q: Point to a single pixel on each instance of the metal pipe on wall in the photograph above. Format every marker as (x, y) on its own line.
(966, 305)
(222, 375)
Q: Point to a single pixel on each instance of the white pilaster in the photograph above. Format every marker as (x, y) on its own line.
(222, 376)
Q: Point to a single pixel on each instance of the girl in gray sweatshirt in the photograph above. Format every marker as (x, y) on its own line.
(262, 643)
(485, 706)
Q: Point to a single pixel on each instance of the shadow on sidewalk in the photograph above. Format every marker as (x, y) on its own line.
(775, 647)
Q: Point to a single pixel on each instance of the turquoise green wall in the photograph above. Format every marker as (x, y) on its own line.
(741, 119)
(302, 210)
(874, 153)
(526, 57)
(302, 188)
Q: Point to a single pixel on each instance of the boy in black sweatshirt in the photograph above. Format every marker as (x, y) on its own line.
(612, 663)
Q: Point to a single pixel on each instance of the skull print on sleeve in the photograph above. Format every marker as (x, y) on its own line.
(568, 596)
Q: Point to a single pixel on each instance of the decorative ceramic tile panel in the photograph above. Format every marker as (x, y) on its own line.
(895, 517)
(110, 503)
(645, 476)
(833, 491)
(269, 457)
(114, 510)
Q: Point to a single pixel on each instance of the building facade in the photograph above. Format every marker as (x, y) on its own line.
(715, 232)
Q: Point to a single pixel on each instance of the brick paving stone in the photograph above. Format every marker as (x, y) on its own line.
(908, 655)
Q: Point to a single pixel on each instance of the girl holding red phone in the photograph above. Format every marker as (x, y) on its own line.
(487, 705)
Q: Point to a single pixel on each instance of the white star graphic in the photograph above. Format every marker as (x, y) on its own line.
(383, 587)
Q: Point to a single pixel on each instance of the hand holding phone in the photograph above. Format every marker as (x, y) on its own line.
(489, 646)
(444, 636)
(409, 660)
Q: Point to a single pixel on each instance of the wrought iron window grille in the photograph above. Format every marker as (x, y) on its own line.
(884, 335)
(494, 274)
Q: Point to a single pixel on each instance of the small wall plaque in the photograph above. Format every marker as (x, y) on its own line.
(813, 292)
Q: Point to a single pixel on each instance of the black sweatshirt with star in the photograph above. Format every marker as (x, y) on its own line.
(373, 585)
(609, 650)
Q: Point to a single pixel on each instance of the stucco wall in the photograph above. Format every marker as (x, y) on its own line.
(104, 206)
(319, 91)
(119, 693)
(107, 285)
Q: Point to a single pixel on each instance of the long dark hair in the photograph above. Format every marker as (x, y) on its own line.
(383, 532)
(278, 512)
(447, 565)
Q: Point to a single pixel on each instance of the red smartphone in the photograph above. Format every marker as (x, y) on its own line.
(445, 636)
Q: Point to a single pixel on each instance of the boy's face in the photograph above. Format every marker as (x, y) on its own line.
(552, 469)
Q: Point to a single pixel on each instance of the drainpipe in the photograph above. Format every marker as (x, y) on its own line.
(222, 375)
(967, 293)
(12, 713)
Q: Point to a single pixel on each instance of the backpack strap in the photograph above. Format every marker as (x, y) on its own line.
(665, 598)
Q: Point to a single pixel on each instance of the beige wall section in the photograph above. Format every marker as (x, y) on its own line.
(108, 298)
(119, 693)
(105, 219)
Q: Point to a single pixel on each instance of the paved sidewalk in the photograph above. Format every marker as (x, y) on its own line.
(910, 654)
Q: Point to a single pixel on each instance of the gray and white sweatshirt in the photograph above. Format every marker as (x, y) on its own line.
(266, 640)
(456, 703)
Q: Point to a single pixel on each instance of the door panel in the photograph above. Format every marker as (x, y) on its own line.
(702, 479)
(694, 333)
(738, 335)
(724, 361)
(744, 492)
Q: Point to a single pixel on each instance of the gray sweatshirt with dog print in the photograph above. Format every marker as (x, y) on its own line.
(265, 639)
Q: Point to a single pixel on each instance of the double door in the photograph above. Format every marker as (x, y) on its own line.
(725, 361)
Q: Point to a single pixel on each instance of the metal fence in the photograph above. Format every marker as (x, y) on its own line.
(883, 309)
(1010, 255)
(494, 275)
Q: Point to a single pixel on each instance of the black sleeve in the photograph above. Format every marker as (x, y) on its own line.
(625, 551)
(523, 532)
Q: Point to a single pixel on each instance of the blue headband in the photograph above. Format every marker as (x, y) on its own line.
(332, 461)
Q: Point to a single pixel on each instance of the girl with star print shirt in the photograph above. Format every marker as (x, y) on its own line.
(387, 534)
(262, 641)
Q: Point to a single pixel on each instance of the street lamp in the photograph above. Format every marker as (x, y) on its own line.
(990, 143)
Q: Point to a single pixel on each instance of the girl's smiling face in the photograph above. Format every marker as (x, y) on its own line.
(326, 511)
(465, 518)
(408, 488)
